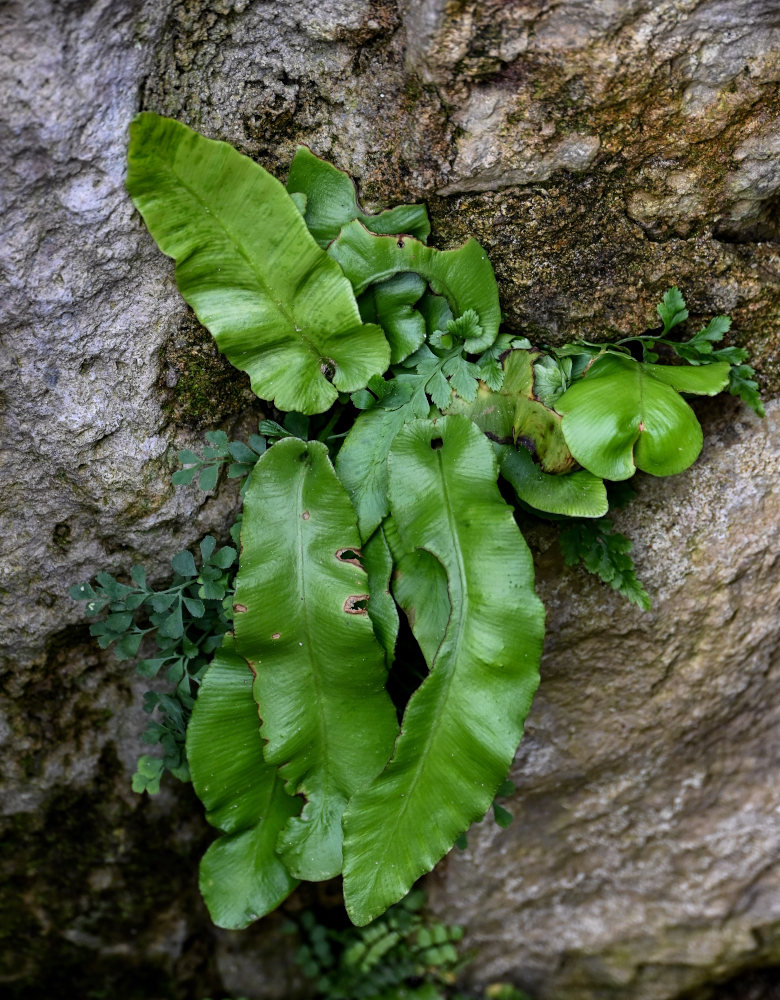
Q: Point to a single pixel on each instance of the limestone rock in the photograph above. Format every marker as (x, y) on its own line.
(601, 152)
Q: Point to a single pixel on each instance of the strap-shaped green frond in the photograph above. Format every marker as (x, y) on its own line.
(462, 725)
(624, 415)
(301, 622)
(574, 494)
(277, 305)
(464, 276)
(362, 463)
(331, 202)
(241, 876)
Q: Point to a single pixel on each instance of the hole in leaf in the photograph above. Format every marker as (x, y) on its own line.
(350, 556)
(437, 443)
(277, 635)
(328, 368)
(306, 515)
(409, 668)
(356, 604)
(239, 608)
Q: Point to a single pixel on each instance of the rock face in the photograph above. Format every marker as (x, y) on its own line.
(649, 760)
(601, 152)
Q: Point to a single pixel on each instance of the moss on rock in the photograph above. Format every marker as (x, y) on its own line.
(198, 385)
(571, 264)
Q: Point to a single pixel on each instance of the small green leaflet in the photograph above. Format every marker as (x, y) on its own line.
(149, 772)
(444, 372)
(742, 384)
(240, 459)
(699, 350)
(672, 310)
(466, 327)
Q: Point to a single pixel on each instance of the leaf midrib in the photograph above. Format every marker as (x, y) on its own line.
(316, 679)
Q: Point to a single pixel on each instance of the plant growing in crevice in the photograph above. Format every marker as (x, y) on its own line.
(398, 405)
(399, 950)
(186, 621)
(400, 955)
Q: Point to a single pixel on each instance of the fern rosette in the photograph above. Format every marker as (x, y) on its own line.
(371, 491)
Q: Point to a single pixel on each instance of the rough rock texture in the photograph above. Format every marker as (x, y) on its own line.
(650, 757)
(601, 151)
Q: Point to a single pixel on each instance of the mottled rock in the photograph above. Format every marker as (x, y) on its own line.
(600, 153)
(653, 86)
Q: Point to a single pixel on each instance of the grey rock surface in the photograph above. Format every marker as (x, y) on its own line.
(650, 758)
(601, 152)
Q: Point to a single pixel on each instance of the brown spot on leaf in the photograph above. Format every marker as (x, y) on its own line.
(528, 443)
(356, 604)
(306, 515)
(239, 608)
(350, 556)
(499, 440)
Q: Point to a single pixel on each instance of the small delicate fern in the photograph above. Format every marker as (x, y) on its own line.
(186, 620)
(398, 950)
